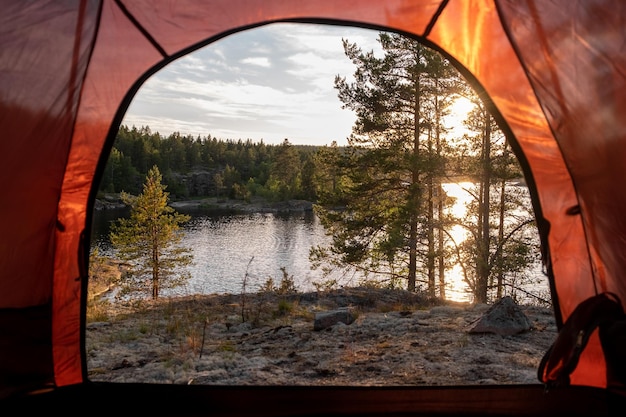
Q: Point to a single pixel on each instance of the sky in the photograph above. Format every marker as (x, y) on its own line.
(270, 83)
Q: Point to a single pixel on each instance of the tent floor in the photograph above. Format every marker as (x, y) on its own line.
(176, 400)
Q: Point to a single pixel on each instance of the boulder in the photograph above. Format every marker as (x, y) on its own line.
(327, 319)
(504, 318)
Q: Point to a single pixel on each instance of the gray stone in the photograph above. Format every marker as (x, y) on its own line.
(503, 318)
(98, 325)
(327, 319)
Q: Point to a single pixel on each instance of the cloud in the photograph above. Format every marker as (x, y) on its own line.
(260, 61)
(269, 83)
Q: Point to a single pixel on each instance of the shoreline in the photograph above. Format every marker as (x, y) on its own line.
(257, 205)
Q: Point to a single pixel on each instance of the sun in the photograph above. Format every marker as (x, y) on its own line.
(459, 110)
(461, 107)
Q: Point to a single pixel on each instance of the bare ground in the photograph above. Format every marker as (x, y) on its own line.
(397, 339)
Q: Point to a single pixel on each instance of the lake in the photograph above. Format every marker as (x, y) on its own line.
(227, 247)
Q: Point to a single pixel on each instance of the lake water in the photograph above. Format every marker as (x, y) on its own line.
(227, 248)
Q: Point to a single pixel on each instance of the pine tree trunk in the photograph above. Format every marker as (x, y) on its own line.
(431, 227)
(155, 265)
(501, 239)
(431, 241)
(482, 272)
(414, 197)
(412, 256)
(439, 204)
(442, 265)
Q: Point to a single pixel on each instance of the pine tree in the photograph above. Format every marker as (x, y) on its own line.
(499, 221)
(391, 164)
(285, 174)
(149, 240)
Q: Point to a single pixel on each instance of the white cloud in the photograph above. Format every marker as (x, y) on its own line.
(260, 61)
(269, 83)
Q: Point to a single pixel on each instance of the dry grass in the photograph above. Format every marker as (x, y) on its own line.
(397, 339)
(182, 321)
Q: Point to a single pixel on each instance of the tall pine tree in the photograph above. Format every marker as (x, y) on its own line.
(149, 240)
(391, 164)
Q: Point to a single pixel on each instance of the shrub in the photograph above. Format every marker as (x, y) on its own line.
(284, 307)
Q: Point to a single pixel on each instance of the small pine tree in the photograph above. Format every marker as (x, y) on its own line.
(149, 240)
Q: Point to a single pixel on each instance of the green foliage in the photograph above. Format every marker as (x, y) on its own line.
(331, 185)
(149, 240)
(233, 168)
(392, 284)
(287, 284)
(381, 198)
(285, 172)
(284, 307)
(326, 285)
(120, 174)
(386, 177)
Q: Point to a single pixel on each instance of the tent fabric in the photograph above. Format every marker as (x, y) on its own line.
(553, 71)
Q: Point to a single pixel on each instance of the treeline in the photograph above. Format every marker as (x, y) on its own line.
(210, 167)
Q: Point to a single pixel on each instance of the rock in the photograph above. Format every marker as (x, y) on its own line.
(290, 206)
(504, 318)
(327, 319)
(98, 325)
(108, 203)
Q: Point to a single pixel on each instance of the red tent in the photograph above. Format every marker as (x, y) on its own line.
(555, 72)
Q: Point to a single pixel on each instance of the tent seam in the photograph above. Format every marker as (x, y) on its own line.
(434, 19)
(141, 29)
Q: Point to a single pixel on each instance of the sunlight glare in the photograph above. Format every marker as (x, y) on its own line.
(462, 197)
(457, 288)
(459, 111)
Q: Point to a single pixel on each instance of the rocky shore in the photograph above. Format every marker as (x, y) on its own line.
(256, 205)
(395, 338)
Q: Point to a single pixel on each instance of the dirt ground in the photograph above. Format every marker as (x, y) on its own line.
(397, 339)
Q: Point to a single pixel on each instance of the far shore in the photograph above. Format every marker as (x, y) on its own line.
(255, 205)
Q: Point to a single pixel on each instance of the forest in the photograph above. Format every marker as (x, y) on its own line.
(209, 167)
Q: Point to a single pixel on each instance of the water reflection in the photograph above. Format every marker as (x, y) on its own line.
(226, 248)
